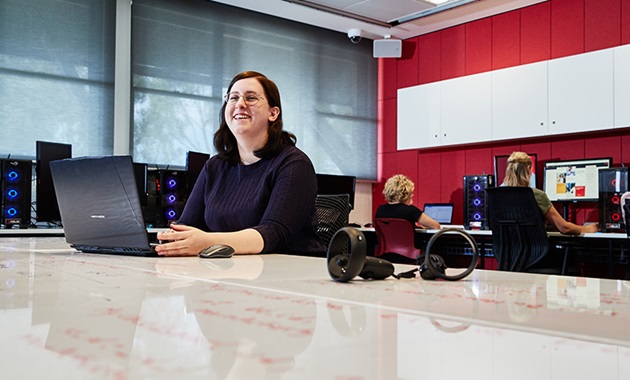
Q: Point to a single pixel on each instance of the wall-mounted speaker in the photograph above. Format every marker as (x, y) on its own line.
(16, 178)
(387, 48)
(613, 183)
(475, 200)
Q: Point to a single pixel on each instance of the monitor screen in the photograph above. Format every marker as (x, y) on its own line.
(194, 165)
(45, 198)
(575, 180)
(336, 184)
(440, 212)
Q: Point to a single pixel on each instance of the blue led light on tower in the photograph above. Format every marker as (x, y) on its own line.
(15, 199)
(474, 200)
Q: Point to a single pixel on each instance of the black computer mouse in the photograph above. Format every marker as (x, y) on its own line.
(217, 251)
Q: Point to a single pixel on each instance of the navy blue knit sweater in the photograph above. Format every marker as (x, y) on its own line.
(275, 196)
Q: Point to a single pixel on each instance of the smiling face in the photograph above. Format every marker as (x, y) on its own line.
(249, 123)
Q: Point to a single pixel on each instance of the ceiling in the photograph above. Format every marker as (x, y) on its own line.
(377, 19)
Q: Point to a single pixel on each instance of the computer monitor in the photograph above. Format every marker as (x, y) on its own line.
(194, 165)
(337, 184)
(47, 209)
(440, 212)
(574, 180)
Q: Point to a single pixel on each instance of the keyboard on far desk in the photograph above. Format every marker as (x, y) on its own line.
(452, 226)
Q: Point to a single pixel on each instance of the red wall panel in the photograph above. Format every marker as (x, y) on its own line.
(567, 28)
(479, 46)
(536, 33)
(428, 178)
(387, 78)
(506, 40)
(602, 24)
(429, 62)
(479, 161)
(625, 22)
(387, 125)
(407, 69)
(453, 52)
(606, 146)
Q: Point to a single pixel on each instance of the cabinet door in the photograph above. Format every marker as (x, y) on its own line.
(519, 101)
(622, 86)
(466, 109)
(581, 92)
(419, 116)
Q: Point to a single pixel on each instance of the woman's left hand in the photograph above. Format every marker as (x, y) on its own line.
(181, 240)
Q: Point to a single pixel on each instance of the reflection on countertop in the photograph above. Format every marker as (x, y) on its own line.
(84, 316)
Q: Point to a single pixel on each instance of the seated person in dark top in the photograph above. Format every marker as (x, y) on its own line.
(518, 173)
(398, 193)
(258, 193)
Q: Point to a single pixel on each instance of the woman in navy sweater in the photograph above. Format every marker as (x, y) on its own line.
(258, 193)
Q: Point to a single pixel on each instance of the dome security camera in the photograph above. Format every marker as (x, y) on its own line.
(355, 35)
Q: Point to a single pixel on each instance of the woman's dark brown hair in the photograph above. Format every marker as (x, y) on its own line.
(224, 140)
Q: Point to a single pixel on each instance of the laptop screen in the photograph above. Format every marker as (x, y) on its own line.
(440, 212)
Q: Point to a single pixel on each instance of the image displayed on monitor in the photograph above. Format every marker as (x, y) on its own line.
(500, 165)
(575, 180)
(45, 198)
(337, 184)
(194, 165)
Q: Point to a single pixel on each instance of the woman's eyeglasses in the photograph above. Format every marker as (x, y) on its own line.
(250, 98)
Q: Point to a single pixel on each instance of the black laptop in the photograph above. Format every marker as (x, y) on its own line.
(99, 205)
(440, 212)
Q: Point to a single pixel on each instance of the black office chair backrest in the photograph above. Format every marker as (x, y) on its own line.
(519, 237)
(332, 212)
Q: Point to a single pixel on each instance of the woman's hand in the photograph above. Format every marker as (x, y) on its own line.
(182, 240)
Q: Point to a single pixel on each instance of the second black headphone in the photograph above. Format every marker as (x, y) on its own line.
(434, 266)
(346, 258)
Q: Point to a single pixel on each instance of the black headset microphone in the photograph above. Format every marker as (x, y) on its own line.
(346, 258)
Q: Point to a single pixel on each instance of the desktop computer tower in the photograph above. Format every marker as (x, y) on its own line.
(166, 197)
(475, 200)
(613, 183)
(16, 179)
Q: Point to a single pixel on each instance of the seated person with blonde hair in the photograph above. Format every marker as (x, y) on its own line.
(398, 193)
(517, 173)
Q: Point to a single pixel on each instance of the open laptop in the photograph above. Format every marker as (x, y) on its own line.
(440, 212)
(99, 205)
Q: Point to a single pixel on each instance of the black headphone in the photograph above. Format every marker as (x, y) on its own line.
(434, 266)
(346, 258)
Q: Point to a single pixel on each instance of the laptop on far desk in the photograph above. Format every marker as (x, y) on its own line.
(440, 212)
(99, 205)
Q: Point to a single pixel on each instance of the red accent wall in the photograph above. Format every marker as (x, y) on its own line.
(544, 31)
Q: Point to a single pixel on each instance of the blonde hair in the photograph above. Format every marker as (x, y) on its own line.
(518, 169)
(398, 189)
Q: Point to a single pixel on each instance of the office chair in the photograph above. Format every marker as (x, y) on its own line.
(396, 236)
(519, 238)
(332, 214)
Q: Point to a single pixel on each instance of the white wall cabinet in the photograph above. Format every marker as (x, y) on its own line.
(586, 92)
(419, 117)
(622, 86)
(519, 102)
(466, 109)
(581, 92)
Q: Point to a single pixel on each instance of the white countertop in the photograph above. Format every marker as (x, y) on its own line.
(82, 316)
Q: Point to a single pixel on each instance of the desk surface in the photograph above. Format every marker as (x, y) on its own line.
(81, 316)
